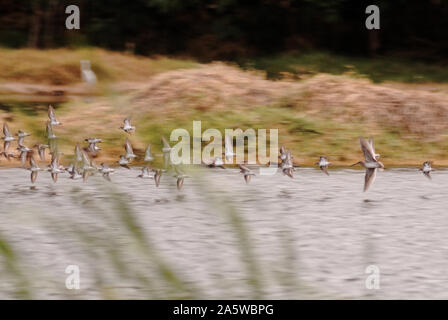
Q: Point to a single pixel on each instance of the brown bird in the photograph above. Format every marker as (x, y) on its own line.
(246, 172)
(371, 163)
(34, 169)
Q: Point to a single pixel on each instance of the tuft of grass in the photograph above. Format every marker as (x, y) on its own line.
(13, 266)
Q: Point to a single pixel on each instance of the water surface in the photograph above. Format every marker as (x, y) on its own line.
(308, 237)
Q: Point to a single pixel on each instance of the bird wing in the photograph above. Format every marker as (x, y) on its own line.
(85, 159)
(148, 151)
(85, 175)
(6, 131)
(128, 147)
(367, 149)
(369, 178)
(23, 157)
(41, 153)
(53, 145)
(54, 160)
(51, 114)
(127, 122)
(372, 144)
(33, 162)
(49, 129)
(78, 154)
(165, 143)
(6, 147)
(33, 176)
(180, 182)
(166, 160)
(157, 176)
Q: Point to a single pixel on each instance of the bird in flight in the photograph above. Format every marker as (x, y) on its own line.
(370, 163)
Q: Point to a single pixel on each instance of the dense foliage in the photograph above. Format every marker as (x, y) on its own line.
(229, 29)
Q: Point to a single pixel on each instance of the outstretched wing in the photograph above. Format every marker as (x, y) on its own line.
(6, 131)
(367, 149)
(54, 160)
(78, 154)
(33, 162)
(51, 114)
(41, 151)
(165, 143)
(85, 159)
(6, 147)
(148, 151)
(49, 130)
(128, 147)
(369, 178)
(180, 182)
(33, 176)
(157, 176)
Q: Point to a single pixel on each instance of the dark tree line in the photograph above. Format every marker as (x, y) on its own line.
(227, 29)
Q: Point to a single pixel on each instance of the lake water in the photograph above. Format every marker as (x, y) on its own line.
(308, 237)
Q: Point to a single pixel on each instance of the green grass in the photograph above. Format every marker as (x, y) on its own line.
(14, 269)
(308, 136)
(378, 69)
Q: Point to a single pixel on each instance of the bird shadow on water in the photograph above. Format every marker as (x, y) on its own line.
(180, 198)
(285, 194)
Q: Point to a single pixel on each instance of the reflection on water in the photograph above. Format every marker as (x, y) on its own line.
(308, 237)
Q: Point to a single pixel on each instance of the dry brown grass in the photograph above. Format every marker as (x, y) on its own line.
(339, 98)
(347, 99)
(216, 86)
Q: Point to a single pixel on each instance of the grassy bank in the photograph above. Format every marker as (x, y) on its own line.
(321, 115)
(378, 69)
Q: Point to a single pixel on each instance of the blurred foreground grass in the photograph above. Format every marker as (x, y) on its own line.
(119, 258)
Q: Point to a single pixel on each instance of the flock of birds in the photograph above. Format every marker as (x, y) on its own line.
(83, 165)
